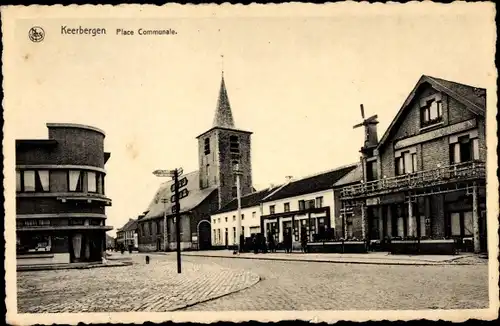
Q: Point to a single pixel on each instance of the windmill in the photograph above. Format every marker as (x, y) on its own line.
(370, 125)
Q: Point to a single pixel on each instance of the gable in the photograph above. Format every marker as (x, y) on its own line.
(459, 102)
(195, 197)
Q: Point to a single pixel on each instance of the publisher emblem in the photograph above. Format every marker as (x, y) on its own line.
(36, 34)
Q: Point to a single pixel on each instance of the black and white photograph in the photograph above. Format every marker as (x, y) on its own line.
(265, 162)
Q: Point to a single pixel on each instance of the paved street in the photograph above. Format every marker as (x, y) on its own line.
(289, 285)
(284, 285)
(155, 287)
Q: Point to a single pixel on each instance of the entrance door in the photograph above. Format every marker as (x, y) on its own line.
(226, 239)
(158, 245)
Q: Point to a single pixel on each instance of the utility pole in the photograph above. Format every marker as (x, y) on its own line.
(177, 219)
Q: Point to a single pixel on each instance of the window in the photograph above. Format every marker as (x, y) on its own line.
(371, 171)
(75, 181)
(302, 205)
(234, 217)
(234, 234)
(29, 180)
(431, 112)
(18, 181)
(215, 236)
(243, 231)
(461, 224)
(91, 182)
(286, 207)
(218, 220)
(225, 218)
(406, 163)
(464, 150)
(254, 214)
(310, 204)
(242, 216)
(150, 228)
(32, 181)
(207, 146)
(319, 202)
(214, 220)
(271, 209)
(234, 144)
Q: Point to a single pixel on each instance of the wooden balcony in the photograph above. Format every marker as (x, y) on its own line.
(439, 176)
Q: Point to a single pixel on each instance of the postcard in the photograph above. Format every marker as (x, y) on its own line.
(264, 162)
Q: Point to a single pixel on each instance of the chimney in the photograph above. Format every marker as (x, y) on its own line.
(288, 179)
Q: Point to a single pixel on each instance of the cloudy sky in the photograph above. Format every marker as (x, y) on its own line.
(295, 81)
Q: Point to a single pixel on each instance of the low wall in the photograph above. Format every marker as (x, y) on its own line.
(43, 259)
(151, 247)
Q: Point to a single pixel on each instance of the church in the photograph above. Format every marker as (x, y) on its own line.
(211, 187)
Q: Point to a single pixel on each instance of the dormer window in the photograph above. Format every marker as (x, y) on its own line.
(207, 146)
(431, 111)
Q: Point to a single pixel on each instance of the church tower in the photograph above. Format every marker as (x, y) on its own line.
(220, 148)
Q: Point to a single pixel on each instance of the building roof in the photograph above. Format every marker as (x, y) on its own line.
(195, 197)
(252, 199)
(311, 184)
(223, 116)
(354, 176)
(129, 226)
(474, 99)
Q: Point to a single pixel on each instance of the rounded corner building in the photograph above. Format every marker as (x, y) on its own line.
(60, 196)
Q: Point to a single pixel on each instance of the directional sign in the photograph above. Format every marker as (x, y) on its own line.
(179, 172)
(164, 173)
(182, 183)
(183, 193)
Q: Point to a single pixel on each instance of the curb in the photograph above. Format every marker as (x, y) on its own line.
(28, 268)
(338, 261)
(217, 297)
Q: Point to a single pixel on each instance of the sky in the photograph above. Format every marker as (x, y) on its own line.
(295, 82)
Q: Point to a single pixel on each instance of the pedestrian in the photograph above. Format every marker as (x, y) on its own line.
(288, 241)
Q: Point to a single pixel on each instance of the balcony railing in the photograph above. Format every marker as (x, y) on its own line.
(420, 179)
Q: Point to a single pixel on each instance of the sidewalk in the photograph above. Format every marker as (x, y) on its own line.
(153, 287)
(115, 263)
(378, 258)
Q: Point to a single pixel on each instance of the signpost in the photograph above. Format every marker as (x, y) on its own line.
(174, 199)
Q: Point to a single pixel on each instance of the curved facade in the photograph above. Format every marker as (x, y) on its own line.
(60, 196)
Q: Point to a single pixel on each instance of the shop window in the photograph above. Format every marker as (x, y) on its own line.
(29, 243)
(286, 207)
(431, 113)
(461, 224)
(91, 182)
(75, 181)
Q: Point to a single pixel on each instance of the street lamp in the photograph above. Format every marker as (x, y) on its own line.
(238, 173)
(164, 174)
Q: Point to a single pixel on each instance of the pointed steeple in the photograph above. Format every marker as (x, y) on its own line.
(223, 115)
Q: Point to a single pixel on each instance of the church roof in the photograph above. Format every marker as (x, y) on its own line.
(223, 115)
(195, 197)
(474, 99)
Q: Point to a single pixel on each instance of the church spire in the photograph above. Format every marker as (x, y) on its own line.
(223, 115)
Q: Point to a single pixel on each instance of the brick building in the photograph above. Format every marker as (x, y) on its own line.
(126, 236)
(60, 197)
(425, 179)
(210, 187)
